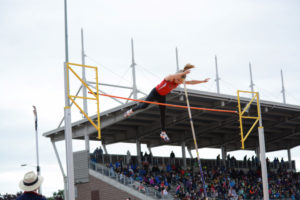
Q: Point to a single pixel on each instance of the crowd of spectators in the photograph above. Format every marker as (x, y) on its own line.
(220, 182)
(251, 163)
(97, 155)
(10, 196)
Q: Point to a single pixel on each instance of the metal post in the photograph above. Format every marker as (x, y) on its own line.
(62, 171)
(138, 152)
(177, 62)
(217, 76)
(69, 154)
(283, 89)
(191, 155)
(37, 147)
(257, 152)
(183, 154)
(264, 171)
(84, 93)
(104, 148)
(134, 90)
(289, 158)
(66, 197)
(57, 156)
(66, 33)
(150, 152)
(251, 80)
(67, 113)
(149, 149)
(223, 152)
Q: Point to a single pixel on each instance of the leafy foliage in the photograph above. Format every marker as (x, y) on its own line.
(9, 196)
(57, 195)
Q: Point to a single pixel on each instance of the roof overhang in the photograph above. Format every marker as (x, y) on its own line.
(213, 129)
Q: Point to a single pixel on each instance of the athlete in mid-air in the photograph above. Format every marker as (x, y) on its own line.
(161, 90)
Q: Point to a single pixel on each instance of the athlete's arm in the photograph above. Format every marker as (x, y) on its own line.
(177, 76)
(194, 82)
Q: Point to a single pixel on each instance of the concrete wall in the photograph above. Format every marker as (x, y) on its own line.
(81, 166)
(99, 190)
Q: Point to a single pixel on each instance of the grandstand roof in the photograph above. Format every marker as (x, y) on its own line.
(213, 129)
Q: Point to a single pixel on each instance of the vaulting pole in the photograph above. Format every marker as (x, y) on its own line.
(195, 141)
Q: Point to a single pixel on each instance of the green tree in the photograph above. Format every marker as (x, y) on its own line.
(57, 195)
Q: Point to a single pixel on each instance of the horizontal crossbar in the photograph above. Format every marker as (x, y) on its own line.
(169, 105)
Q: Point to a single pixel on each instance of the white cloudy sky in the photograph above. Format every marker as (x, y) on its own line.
(32, 53)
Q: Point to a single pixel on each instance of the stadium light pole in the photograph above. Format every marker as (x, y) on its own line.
(67, 113)
(84, 92)
(217, 75)
(283, 89)
(37, 146)
(262, 149)
(251, 80)
(133, 64)
(177, 61)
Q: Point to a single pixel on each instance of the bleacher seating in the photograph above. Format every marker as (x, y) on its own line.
(232, 179)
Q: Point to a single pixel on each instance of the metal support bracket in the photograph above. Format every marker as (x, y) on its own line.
(242, 114)
(96, 96)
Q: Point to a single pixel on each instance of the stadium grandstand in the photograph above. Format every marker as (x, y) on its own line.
(152, 177)
(102, 176)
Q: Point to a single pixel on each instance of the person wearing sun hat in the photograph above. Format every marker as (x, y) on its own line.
(30, 184)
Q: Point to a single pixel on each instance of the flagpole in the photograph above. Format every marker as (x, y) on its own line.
(37, 146)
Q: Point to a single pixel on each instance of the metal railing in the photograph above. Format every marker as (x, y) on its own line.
(129, 181)
(209, 163)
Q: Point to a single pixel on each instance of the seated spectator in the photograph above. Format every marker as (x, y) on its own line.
(221, 182)
(141, 187)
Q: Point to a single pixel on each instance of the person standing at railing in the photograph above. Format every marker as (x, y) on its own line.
(111, 170)
(172, 158)
(128, 157)
(150, 158)
(100, 153)
(161, 90)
